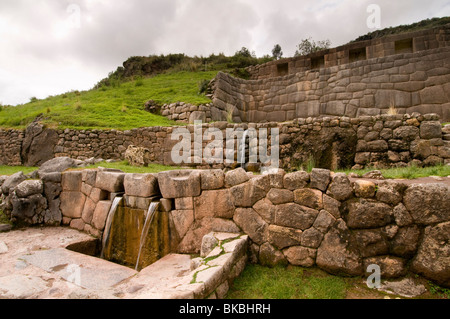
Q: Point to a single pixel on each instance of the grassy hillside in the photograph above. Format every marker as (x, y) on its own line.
(119, 106)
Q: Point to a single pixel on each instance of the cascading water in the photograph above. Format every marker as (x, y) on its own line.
(148, 221)
(109, 221)
(244, 145)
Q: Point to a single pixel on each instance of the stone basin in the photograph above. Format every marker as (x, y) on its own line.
(181, 183)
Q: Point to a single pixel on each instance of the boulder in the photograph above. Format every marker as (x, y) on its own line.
(236, 177)
(282, 237)
(177, 184)
(338, 253)
(428, 203)
(433, 257)
(28, 188)
(252, 224)
(141, 185)
(312, 238)
(390, 192)
(296, 180)
(300, 256)
(216, 203)
(430, 129)
(59, 164)
(340, 187)
(320, 179)
(38, 144)
(269, 256)
(406, 241)
(12, 181)
(30, 210)
(364, 189)
(212, 179)
(364, 213)
(295, 216)
(312, 198)
(280, 196)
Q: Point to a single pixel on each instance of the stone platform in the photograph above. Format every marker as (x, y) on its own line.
(35, 264)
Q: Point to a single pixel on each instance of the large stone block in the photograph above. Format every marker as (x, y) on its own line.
(71, 181)
(282, 237)
(312, 198)
(101, 214)
(428, 203)
(72, 204)
(433, 257)
(110, 181)
(141, 185)
(28, 188)
(236, 177)
(364, 213)
(212, 179)
(300, 256)
(216, 203)
(295, 216)
(296, 180)
(252, 224)
(430, 129)
(340, 187)
(177, 184)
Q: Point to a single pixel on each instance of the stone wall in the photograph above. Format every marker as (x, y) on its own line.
(332, 142)
(410, 42)
(188, 113)
(321, 218)
(404, 83)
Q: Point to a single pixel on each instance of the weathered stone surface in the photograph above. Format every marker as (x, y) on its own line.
(364, 213)
(88, 210)
(212, 179)
(184, 203)
(247, 194)
(391, 267)
(101, 214)
(406, 288)
(266, 210)
(295, 216)
(406, 241)
(389, 192)
(71, 181)
(371, 242)
(59, 164)
(276, 178)
(332, 206)
(252, 224)
(320, 179)
(428, 203)
(30, 210)
(110, 181)
(28, 188)
(433, 257)
(280, 196)
(340, 187)
(271, 257)
(177, 184)
(430, 129)
(217, 203)
(37, 147)
(338, 253)
(402, 216)
(296, 180)
(364, 189)
(141, 185)
(72, 204)
(301, 256)
(12, 181)
(312, 238)
(324, 221)
(282, 237)
(236, 177)
(209, 242)
(182, 220)
(312, 198)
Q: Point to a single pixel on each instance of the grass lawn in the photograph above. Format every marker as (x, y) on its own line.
(258, 282)
(120, 107)
(127, 168)
(10, 170)
(410, 172)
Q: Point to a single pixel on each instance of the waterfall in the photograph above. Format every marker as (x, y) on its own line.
(148, 221)
(244, 145)
(109, 222)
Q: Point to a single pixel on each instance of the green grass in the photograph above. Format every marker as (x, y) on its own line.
(111, 107)
(10, 170)
(127, 168)
(410, 172)
(258, 282)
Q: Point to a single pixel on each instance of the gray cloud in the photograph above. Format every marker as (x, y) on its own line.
(52, 46)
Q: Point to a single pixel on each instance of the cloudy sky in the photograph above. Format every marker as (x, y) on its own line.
(49, 47)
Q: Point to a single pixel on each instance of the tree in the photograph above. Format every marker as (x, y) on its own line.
(277, 53)
(308, 46)
(245, 53)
